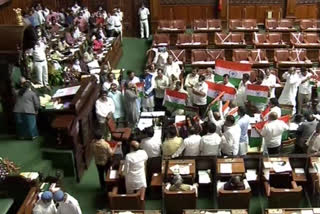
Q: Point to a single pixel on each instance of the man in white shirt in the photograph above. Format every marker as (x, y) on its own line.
(144, 24)
(241, 97)
(134, 168)
(66, 203)
(270, 80)
(45, 205)
(272, 133)
(110, 80)
(210, 143)
(305, 89)
(230, 137)
(199, 95)
(162, 83)
(110, 26)
(40, 63)
(161, 56)
(104, 108)
(172, 69)
(117, 23)
(191, 80)
(289, 92)
(226, 81)
(190, 145)
(244, 123)
(132, 78)
(151, 144)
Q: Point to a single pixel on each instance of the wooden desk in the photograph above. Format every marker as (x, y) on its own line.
(237, 166)
(171, 163)
(288, 64)
(232, 211)
(292, 210)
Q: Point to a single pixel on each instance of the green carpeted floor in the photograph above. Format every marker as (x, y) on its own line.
(28, 155)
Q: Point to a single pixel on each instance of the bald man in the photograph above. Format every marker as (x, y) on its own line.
(272, 133)
(134, 168)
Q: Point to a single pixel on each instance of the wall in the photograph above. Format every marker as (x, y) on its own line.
(7, 16)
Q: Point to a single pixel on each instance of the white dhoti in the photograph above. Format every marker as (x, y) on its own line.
(144, 28)
(41, 69)
(147, 103)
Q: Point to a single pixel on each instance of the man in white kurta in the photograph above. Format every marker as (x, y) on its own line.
(134, 168)
(172, 69)
(104, 106)
(191, 80)
(144, 24)
(40, 63)
(45, 205)
(305, 89)
(289, 92)
(270, 80)
(66, 203)
(230, 137)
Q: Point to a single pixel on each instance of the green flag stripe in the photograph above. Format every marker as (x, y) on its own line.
(257, 99)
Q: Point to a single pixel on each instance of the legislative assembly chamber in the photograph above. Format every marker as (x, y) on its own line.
(159, 106)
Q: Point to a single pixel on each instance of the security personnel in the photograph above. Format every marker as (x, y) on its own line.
(66, 203)
(144, 24)
(45, 205)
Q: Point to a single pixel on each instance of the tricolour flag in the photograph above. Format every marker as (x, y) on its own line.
(265, 113)
(225, 108)
(174, 99)
(234, 69)
(140, 88)
(257, 93)
(215, 89)
(214, 104)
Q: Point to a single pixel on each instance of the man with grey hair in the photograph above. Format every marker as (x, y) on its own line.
(178, 185)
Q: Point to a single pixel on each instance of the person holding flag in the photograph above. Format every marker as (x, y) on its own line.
(199, 93)
(230, 137)
(241, 97)
(305, 88)
(272, 133)
(272, 107)
(148, 98)
(175, 100)
(243, 122)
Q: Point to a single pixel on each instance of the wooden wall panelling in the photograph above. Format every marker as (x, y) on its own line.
(291, 8)
(303, 11)
(235, 12)
(181, 12)
(7, 16)
(261, 13)
(250, 12)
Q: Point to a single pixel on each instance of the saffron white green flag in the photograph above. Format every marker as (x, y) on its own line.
(215, 89)
(174, 99)
(257, 93)
(235, 71)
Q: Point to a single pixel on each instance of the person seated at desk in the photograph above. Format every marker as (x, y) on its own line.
(151, 144)
(210, 143)
(55, 26)
(97, 43)
(190, 145)
(69, 38)
(235, 183)
(304, 131)
(177, 185)
(76, 33)
(88, 56)
(66, 203)
(45, 205)
(272, 133)
(63, 46)
(134, 168)
(313, 142)
(172, 142)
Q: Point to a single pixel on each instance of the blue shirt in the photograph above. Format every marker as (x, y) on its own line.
(244, 123)
(117, 100)
(148, 84)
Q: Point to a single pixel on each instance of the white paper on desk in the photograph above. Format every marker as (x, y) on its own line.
(144, 123)
(184, 170)
(266, 174)
(267, 164)
(306, 211)
(225, 168)
(153, 114)
(251, 175)
(126, 212)
(223, 212)
(113, 174)
(162, 44)
(312, 170)
(293, 126)
(179, 118)
(299, 170)
(277, 167)
(204, 177)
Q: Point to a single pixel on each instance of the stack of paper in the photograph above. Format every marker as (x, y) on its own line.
(275, 211)
(30, 175)
(299, 170)
(180, 169)
(267, 164)
(113, 174)
(306, 211)
(204, 177)
(226, 168)
(251, 175)
(281, 166)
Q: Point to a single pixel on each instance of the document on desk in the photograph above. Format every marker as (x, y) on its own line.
(153, 114)
(179, 118)
(144, 123)
(281, 166)
(113, 174)
(126, 212)
(299, 170)
(204, 177)
(226, 168)
(306, 211)
(223, 212)
(180, 169)
(267, 164)
(251, 175)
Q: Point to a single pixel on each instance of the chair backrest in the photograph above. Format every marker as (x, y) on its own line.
(311, 37)
(164, 24)
(176, 202)
(237, 37)
(179, 24)
(296, 37)
(178, 55)
(298, 54)
(271, 23)
(240, 54)
(29, 202)
(282, 55)
(254, 54)
(199, 55)
(111, 125)
(306, 23)
(200, 37)
(288, 23)
(184, 38)
(215, 54)
(249, 23)
(234, 23)
(316, 23)
(274, 37)
(285, 197)
(260, 37)
(161, 38)
(214, 23)
(218, 37)
(199, 23)
(135, 201)
(239, 199)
